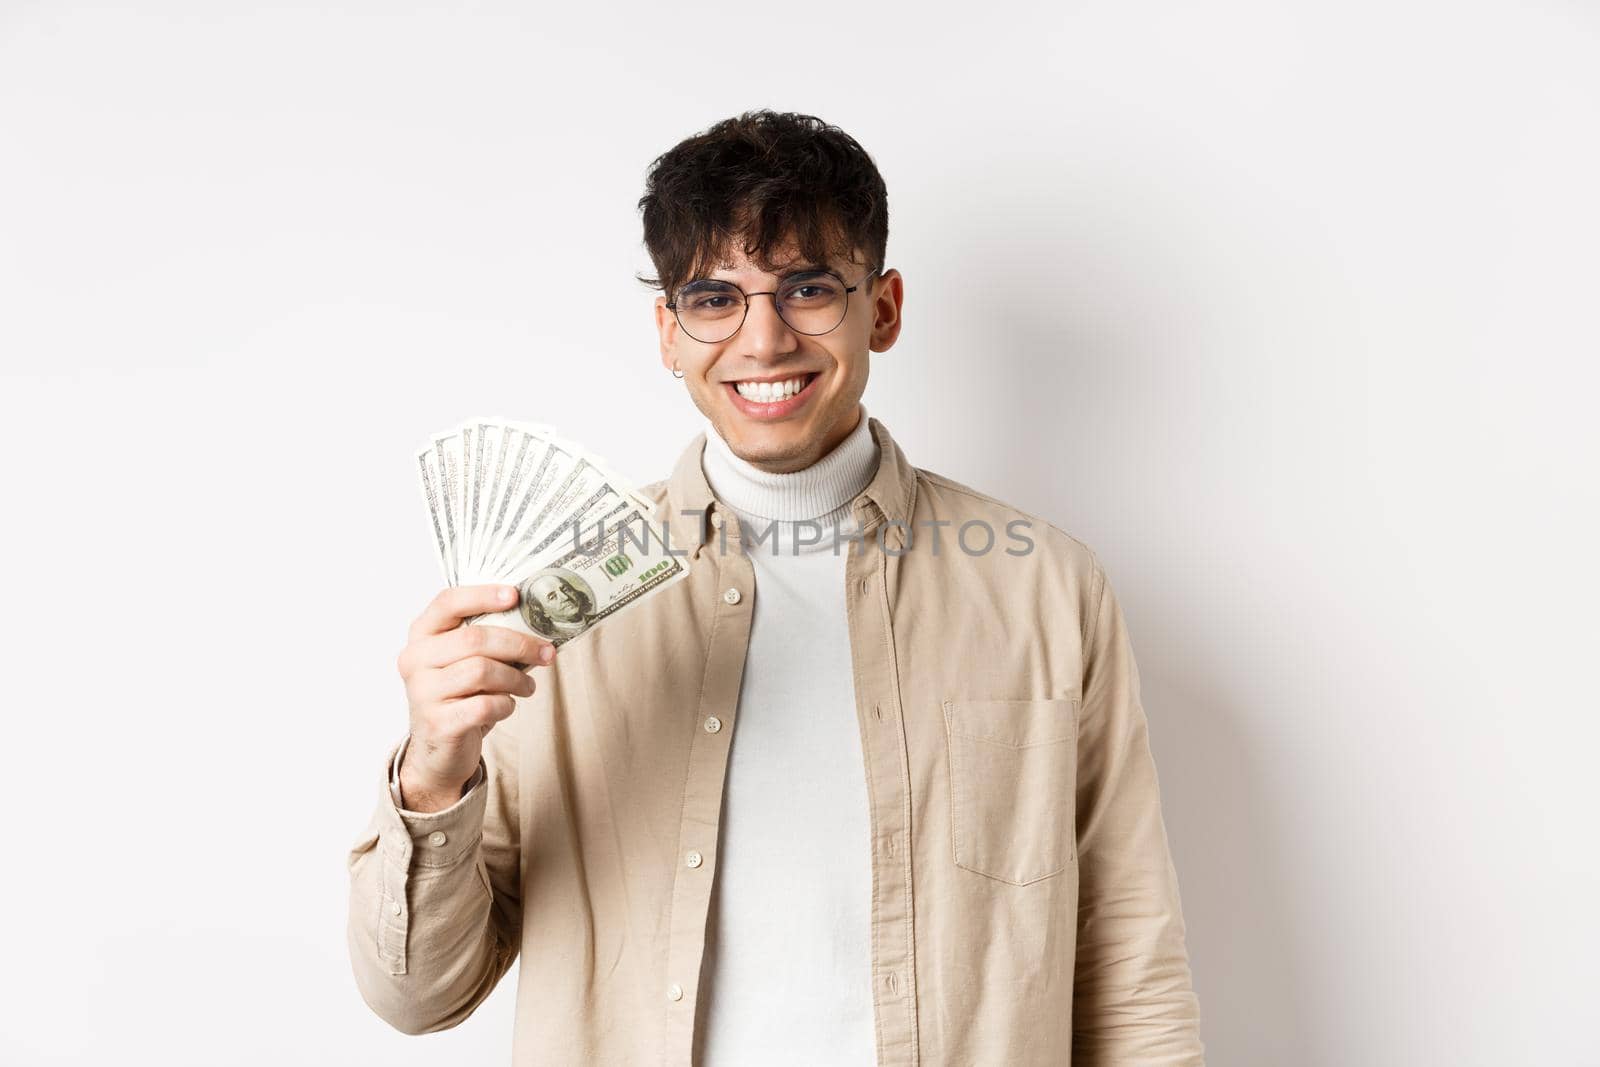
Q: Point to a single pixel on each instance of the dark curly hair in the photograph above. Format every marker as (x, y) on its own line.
(761, 176)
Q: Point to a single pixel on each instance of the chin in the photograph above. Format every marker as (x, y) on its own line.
(766, 445)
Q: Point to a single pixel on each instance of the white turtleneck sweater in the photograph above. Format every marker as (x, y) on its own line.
(786, 977)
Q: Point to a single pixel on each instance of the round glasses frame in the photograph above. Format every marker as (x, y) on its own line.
(848, 289)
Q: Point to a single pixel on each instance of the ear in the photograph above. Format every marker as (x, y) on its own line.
(887, 307)
(667, 328)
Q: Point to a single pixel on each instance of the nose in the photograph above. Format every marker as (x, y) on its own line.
(764, 333)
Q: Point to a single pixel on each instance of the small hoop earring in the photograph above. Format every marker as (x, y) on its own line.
(676, 373)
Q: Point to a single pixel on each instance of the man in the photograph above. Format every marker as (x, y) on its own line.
(891, 804)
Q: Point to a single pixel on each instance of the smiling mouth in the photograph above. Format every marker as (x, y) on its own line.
(773, 392)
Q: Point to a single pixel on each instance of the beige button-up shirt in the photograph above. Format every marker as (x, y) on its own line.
(1024, 904)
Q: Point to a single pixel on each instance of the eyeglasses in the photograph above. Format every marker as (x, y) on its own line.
(810, 303)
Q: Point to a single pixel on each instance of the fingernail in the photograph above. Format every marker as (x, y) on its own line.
(507, 594)
(547, 653)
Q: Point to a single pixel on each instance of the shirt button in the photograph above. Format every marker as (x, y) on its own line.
(395, 907)
(437, 838)
(716, 519)
(694, 859)
(675, 991)
(713, 724)
(731, 596)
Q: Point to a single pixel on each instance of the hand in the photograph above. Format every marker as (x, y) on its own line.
(460, 681)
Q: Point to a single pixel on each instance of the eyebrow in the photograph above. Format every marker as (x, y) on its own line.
(788, 272)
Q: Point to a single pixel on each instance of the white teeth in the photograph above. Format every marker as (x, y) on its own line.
(767, 392)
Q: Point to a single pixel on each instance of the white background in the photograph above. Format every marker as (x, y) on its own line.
(1289, 311)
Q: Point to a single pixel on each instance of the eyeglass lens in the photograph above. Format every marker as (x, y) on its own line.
(712, 311)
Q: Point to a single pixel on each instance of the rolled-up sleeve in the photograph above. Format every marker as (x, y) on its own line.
(1133, 999)
(434, 901)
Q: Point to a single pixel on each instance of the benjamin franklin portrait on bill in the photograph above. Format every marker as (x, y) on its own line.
(557, 604)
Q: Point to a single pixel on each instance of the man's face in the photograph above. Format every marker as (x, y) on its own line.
(556, 598)
(794, 433)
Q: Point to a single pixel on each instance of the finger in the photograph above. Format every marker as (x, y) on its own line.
(475, 674)
(465, 678)
(455, 603)
(479, 712)
(482, 639)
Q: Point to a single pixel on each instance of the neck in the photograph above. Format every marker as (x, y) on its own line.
(822, 491)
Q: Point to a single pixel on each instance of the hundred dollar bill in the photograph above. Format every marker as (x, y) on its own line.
(544, 467)
(428, 478)
(466, 433)
(552, 493)
(497, 436)
(534, 466)
(472, 482)
(622, 484)
(447, 457)
(593, 573)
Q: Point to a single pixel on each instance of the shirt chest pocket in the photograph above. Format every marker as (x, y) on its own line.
(1012, 778)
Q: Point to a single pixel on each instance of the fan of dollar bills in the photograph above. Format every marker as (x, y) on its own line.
(514, 503)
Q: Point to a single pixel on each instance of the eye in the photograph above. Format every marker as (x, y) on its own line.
(811, 289)
(709, 300)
